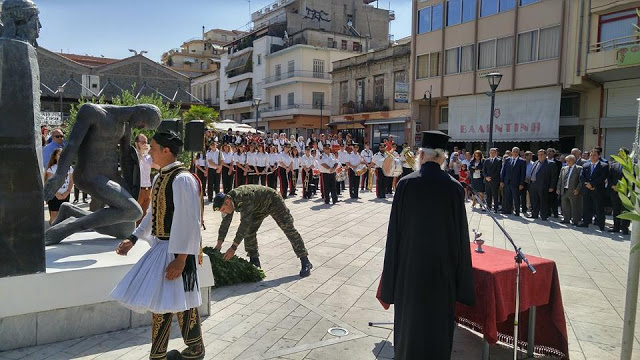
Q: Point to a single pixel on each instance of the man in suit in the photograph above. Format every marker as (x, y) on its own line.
(528, 155)
(512, 178)
(491, 170)
(543, 181)
(228, 137)
(594, 174)
(615, 174)
(568, 188)
(577, 153)
(553, 196)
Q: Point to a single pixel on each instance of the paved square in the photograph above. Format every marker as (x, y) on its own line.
(285, 317)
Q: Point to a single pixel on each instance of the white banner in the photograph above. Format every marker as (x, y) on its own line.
(50, 118)
(522, 115)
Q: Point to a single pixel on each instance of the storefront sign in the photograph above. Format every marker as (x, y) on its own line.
(628, 55)
(402, 92)
(50, 118)
(522, 115)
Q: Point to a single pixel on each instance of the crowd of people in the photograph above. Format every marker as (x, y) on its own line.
(325, 164)
(538, 185)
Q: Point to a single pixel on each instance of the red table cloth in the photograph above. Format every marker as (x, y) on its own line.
(494, 275)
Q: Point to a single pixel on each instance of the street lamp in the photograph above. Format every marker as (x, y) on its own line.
(61, 91)
(320, 104)
(494, 81)
(424, 98)
(256, 103)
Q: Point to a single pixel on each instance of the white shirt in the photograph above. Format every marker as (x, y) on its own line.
(296, 162)
(320, 146)
(378, 159)
(328, 160)
(228, 157)
(262, 159)
(566, 185)
(200, 160)
(146, 162)
(213, 156)
(240, 158)
(284, 158)
(306, 161)
(467, 162)
(52, 171)
(251, 158)
(343, 155)
(367, 155)
(354, 159)
(273, 159)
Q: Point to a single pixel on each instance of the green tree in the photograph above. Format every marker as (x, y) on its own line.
(201, 112)
(170, 61)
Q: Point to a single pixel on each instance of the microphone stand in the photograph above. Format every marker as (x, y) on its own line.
(519, 258)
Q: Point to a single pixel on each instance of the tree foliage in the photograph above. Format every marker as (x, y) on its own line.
(628, 189)
(201, 112)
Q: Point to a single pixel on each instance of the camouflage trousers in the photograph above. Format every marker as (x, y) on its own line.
(280, 213)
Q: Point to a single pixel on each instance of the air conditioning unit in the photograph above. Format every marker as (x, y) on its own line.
(91, 82)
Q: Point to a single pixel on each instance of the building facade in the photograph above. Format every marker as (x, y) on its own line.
(285, 63)
(206, 89)
(65, 78)
(370, 93)
(201, 55)
(458, 42)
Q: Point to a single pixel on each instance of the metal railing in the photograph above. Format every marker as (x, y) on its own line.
(295, 106)
(352, 107)
(298, 73)
(614, 43)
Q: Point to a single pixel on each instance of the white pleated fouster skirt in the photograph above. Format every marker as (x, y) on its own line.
(145, 288)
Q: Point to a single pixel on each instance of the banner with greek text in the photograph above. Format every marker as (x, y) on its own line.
(521, 115)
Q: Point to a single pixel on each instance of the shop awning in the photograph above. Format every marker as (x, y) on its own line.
(241, 89)
(387, 121)
(521, 115)
(238, 62)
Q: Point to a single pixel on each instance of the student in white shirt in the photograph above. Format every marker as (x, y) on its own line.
(145, 163)
(381, 179)
(295, 171)
(327, 165)
(64, 193)
(227, 168)
(214, 170)
(240, 161)
(261, 165)
(367, 157)
(252, 176)
(306, 168)
(353, 161)
(342, 156)
(272, 178)
(284, 169)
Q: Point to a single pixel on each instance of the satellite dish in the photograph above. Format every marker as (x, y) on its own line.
(350, 23)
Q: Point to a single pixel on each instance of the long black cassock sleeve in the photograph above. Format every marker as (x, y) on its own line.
(394, 238)
(464, 272)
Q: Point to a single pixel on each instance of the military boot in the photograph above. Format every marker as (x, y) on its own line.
(255, 261)
(306, 267)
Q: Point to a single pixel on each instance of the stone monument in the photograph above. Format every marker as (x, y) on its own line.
(21, 206)
(93, 143)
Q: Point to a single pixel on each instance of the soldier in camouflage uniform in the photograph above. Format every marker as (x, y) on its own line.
(255, 203)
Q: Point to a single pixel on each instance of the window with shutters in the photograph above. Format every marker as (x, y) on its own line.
(466, 58)
(378, 90)
(344, 92)
(549, 43)
(434, 64)
(290, 99)
(318, 100)
(528, 46)
(444, 115)
(360, 93)
(318, 69)
(344, 45)
(452, 59)
(291, 65)
(423, 67)
(486, 54)
(276, 102)
(278, 72)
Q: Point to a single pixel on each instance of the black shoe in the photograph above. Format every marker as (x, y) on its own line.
(505, 213)
(532, 217)
(613, 230)
(601, 228)
(625, 231)
(255, 261)
(306, 267)
(564, 222)
(85, 201)
(75, 201)
(583, 225)
(517, 214)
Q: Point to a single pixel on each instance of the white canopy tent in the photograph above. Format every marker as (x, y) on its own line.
(224, 125)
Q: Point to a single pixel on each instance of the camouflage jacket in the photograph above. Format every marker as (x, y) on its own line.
(254, 203)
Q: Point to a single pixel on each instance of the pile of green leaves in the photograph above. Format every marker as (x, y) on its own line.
(628, 189)
(234, 271)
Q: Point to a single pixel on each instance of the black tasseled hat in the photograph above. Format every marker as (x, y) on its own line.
(434, 139)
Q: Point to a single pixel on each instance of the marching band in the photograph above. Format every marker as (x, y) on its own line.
(319, 164)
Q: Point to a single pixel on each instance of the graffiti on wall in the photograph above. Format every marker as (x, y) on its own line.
(313, 14)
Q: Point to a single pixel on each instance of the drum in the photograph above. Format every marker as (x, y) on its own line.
(316, 172)
(340, 174)
(361, 169)
(392, 166)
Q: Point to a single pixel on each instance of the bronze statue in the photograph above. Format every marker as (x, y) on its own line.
(19, 20)
(94, 139)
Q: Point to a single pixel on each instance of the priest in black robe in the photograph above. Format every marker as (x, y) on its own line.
(427, 263)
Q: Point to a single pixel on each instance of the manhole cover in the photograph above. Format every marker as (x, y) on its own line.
(338, 331)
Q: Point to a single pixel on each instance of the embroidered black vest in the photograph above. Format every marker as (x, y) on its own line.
(162, 202)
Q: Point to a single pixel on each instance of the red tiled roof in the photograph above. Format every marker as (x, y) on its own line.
(89, 60)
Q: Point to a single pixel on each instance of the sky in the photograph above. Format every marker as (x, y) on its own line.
(110, 28)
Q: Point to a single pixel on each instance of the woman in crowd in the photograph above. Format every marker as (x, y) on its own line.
(64, 193)
(272, 178)
(227, 168)
(454, 165)
(240, 160)
(252, 176)
(301, 145)
(284, 169)
(261, 165)
(477, 182)
(464, 180)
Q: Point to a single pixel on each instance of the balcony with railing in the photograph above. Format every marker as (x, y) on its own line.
(609, 60)
(295, 109)
(353, 107)
(297, 76)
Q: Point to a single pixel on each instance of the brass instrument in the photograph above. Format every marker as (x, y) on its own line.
(409, 157)
(306, 181)
(361, 169)
(372, 172)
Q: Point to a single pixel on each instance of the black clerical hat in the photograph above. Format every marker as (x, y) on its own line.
(218, 200)
(434, 139)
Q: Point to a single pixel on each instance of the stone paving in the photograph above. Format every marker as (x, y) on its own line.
(285, 317)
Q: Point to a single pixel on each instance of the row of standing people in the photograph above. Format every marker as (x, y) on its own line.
(578, 184)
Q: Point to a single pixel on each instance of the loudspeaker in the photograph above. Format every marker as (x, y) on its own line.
(172, 124)
(194, 136)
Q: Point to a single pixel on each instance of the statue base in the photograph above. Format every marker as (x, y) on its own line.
(71, 299)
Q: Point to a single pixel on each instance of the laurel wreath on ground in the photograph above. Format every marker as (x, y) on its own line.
(234, 271)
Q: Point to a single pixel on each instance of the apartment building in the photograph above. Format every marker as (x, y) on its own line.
(371, 95)
(200, 55)
(284, 64)
(206, 88)
(604, 66)
(458, 42)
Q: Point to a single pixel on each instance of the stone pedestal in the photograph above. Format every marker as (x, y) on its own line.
(21, 174)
